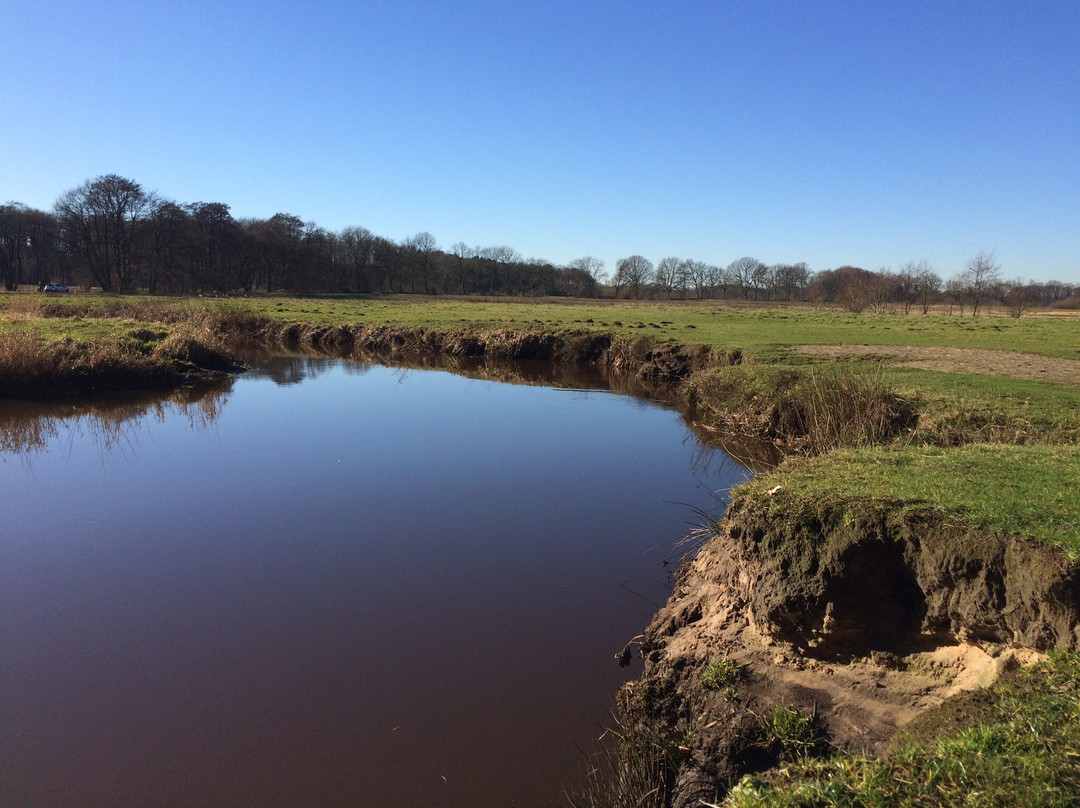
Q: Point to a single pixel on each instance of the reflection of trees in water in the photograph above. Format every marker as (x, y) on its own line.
(27, 428)
(286, 370)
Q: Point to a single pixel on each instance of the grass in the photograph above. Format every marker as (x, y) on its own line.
(1021, 747)
(630, 769)
(789, 734)
(1029, 490)
(961, 408)
(813, 410)
(720, 673)
(762, 330)
(36, 363)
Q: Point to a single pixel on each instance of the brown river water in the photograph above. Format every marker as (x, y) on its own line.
(330, 584)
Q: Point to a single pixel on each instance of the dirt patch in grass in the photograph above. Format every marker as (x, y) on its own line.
(1018, 364)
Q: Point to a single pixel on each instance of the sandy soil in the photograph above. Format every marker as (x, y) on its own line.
(964, 360)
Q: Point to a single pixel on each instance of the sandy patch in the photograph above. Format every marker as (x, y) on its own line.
(1017, 364)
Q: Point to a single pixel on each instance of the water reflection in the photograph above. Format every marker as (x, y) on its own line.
(109, 423)
(376, 587)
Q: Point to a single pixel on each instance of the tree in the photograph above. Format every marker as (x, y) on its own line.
(957, 293)
(743, 272)
(978, 280)
(918, 285)
(14, 241)
(583, 276)
(169, 245)
(670, 275)
(593, 267)
(1017, 296)
(100, 221)
(421, 249)
(632, 273)
(791, 279)
(357, 243)
(882, 290)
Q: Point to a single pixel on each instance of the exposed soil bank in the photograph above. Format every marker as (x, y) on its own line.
(641, 356)
(857, 613)
(206, 344)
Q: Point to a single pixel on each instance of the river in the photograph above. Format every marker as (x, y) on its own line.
(329, 583)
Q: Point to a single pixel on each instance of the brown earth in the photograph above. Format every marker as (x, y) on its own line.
(1018, 364)
(862, 616)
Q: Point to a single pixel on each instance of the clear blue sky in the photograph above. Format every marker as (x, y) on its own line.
(865, 133)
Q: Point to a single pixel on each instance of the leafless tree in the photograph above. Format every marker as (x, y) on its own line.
(696, 274)
(634, 272)
(593, 267)
(743, 272)
(917, 284)
(1017, 296)
(791, 279)
(357, 243)
(979, 278)
(100, 220)
(421, 249)
(13, 243)
(670, 275)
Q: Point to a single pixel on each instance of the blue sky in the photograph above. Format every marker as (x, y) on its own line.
(867, 133)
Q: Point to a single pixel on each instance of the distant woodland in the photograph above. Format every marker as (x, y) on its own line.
(112, 234)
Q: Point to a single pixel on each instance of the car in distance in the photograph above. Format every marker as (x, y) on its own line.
(56, 288)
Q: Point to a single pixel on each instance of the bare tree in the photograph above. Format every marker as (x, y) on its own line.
(421, 249)
(744, 272)
(634, 272)
(882, 290)
(13, 242)
(978, 280)
(791, 279)
(1017, 296)
(358, 244)
(926, 285)
(100, 219)
(593, 267)
(463, 254)
(696, 274)
(670, 275)
(957, 293)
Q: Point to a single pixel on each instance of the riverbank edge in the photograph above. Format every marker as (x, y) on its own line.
(847, 617)
(194, 350)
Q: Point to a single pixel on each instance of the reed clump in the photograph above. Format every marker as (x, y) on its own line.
(812, 411)
(32, 366)
(631, 768)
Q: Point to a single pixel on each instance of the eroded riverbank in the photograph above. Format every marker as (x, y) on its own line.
(851, 615)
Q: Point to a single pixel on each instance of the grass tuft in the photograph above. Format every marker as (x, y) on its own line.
(720, 673)
(631, 768)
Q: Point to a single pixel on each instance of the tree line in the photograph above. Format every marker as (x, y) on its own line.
(111, 233)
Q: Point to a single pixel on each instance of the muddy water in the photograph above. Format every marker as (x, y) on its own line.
(329, 584)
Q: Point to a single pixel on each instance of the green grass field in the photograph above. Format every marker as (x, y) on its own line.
(762, 330)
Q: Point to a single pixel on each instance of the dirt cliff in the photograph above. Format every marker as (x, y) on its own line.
(857, 615)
